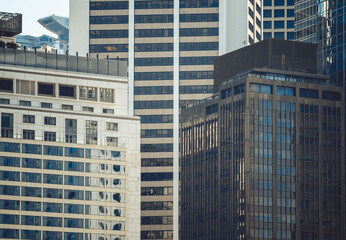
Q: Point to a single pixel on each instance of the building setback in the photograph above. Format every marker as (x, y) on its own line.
(69, 151)
(264, 158)
(170, 47)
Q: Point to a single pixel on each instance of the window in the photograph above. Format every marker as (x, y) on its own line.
(28, 119)
(267, 35)
(88, 109)
(91, 132)
(67, 91)
(279, 13)
(157, 176)
(267, 2)
(25, 87)
(46, 105)
(108, 111)
(308, 93)
(261, 88)
(290, 13)
(290, 35)
(290, 24)
(25, 103)
(4, 101)
(71, 130)
(285, 91)
(267, 24)
(29, 134)
(46, 89)
(290, 2)
(6, 85)
(267, 13)
(50, 136)
(112, 126)
(279, 35)
(89, 93)
(67, 107)
(112, 141)
(7, 125)
(50, 121)
(331, 95)
(279, 24)
(106, 95)
(279, 2)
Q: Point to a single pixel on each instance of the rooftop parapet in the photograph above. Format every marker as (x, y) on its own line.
(62, 62)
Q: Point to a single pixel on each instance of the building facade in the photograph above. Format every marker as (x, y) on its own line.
(69, 151)
(278, 19)
(264, 158)
(170, 47)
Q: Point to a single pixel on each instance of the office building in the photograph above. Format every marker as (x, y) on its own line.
(69, 151)
(278, 19)
(264, 158)
(170, 47)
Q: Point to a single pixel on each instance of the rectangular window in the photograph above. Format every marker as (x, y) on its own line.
(7, 125)
(25, 87)
(267, 13)
(50, 136)
(290, 13)
(331, 95)
(46, 89)
(290, 24)
(6, 85)
(261, 88)
(50, 121)
(71, 130)
(108, 111)
(279, 35)
(279, 3)
(25, 103)
(112, 126)
(267, 24)
(67, 107)
(46, 105)
(29, 134)
(267, 2)
(88, 109)
(308, 93)
(89, 93)
(279, 24)
(285, 91)
(112, 141)
(67, 91)
(106, 95)
(4, 101)
(28, 119)
(91, 132)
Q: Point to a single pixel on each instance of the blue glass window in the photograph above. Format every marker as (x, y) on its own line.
(308, 93)
(164, 104)
(52, 193)
(52, 222)
(74, 180)
(165, 61)
(31, 192)
(109, 5)
(74, 194)
(9, 233)
(198, 3)
(9, 219)
(31, 163)
(267, 13)
(195, 32)
(32, 149)
(279, 2)
(267, 24)
(9, 161)
(290, 2)
(52, 179)
(157, 176)
(156, 118)
(96, 48)
(152, 4)
(279, 13)
(331, 95)
(9, 147)
(31, 206)
(52, 165)
(199, 46)
(267, 2)
(74, 166)
(52, 235)
(206, 17)
(121, 19)
(52, 207)
(156, 147)
(74, 152)
(285, 91)
(52, 150)
(9, 176)
(9, 190)
(31, 234)
(9, 204)
(108, 34)
(140, 76)
(290, 24)
(267, 35)
(31, 220)
(290, 13)
(154, 18)
(73, 236)
(31, 177)
(290, 36)
(73, 208)
(279, 35)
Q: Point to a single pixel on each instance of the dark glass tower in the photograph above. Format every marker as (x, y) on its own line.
(263, 158)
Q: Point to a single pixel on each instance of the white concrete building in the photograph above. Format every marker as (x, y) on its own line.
(69, 151)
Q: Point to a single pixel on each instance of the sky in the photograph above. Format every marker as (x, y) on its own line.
(32, 10)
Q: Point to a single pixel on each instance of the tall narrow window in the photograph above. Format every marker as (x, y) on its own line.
(7, 125)
(29, 134)
(71, 130)
(91, 132)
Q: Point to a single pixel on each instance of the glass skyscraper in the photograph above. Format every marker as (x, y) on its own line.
(263, 158)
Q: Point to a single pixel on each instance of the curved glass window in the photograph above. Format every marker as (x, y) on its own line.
(9, 161)
(52, 222)
(31, 163)
(31, 220)
(52, 207)
(31, 191)
(52, 193)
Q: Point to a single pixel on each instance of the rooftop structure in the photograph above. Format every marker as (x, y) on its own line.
(10, 24)
(56, 24)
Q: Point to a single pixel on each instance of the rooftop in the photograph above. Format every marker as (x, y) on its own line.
(10, 24)
(56, 24)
